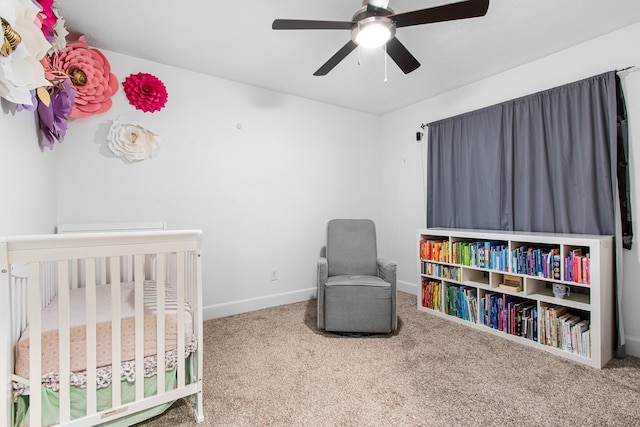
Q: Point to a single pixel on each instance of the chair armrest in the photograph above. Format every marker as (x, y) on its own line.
(323, 276)
(323, 271)
(387, 271)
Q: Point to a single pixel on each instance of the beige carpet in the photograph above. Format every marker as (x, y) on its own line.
(273, 367)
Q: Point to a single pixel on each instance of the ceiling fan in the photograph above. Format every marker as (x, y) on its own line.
(375, 24)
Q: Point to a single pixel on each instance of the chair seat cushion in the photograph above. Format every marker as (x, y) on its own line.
(356, 280)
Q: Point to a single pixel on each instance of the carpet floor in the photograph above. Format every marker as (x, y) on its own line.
(273, 367)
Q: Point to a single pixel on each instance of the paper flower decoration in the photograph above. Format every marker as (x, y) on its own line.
(52, 118)
(53, 26)
(20, 68)
(132, 141)
(91, 77)
(61, 33)
(48, 18)
(145, 92)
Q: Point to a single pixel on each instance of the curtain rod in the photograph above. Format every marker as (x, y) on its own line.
(626, 68)
(630, 67)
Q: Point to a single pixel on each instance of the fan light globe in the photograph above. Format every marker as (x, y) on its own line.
(373, 31)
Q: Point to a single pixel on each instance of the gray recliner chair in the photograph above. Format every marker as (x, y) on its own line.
(356, 290)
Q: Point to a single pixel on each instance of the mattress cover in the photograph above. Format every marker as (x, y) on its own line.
(77, 320)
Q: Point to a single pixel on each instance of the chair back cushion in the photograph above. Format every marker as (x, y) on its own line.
(351, 247)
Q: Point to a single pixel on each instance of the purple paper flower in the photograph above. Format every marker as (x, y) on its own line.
(52, 119)
(29, 107)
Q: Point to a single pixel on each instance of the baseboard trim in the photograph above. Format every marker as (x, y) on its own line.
(632, 346)
(408, 287)
(258, 303)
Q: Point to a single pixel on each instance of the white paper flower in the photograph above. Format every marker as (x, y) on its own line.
(61, 33)
(132, 141)
(22, 71)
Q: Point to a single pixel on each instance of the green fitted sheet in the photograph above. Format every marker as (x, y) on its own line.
(50, 401)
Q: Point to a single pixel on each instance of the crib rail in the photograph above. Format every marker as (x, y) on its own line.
(36, 269)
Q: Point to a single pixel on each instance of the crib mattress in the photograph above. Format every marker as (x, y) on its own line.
(78, 342)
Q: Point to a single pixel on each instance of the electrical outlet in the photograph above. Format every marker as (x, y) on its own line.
(274, 275)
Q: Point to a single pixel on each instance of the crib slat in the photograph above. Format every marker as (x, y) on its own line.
(75, 272)
(102, 270)
(139, 324)
(116, 327)
(160, 321)
(90, 278)
(197, 324)
(180, 276)
(35, 345)
(19, 290)
(6, 338)
(64, 338)
(127, 268)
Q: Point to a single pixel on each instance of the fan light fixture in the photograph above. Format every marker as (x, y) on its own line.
(375, 23)
(373, 31)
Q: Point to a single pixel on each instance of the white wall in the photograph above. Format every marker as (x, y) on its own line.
(27, 175)
(262, 194)
(404, 180)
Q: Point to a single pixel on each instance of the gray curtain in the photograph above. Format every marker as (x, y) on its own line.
(544, 163)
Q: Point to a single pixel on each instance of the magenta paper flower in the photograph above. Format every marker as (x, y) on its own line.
(48, 19)
(90, 75)
(145, 92)
(52, 119)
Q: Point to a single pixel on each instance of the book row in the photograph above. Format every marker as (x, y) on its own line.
(442, 271)
(554, 326)
(526, 260)
(491, 255)
(536, 262)
(431, 294)
(461, 302)
(564, 330)
(577, 267)
(433, 250)
(509, 314)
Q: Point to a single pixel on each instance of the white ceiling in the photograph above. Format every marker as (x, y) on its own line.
(233, 40)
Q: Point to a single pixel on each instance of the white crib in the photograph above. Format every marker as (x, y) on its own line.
(85, 317)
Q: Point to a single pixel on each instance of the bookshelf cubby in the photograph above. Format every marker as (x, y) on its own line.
(461, 273)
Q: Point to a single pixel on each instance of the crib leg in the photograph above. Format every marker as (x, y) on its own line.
(198, 412)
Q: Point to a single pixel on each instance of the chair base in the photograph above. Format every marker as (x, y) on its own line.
(358, 309)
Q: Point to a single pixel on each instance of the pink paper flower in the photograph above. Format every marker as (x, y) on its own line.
(145, 92)
(91, 77)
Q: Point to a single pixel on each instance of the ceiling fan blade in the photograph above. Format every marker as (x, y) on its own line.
(301, 24)
(335, 59)
(401, 56)
(447, 12)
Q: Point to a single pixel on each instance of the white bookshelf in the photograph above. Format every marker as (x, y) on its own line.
(480, 278)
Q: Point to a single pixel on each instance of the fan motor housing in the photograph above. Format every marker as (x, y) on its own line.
(365, 12)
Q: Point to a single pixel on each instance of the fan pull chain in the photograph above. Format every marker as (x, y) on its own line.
(359, 55)
(385, 63)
